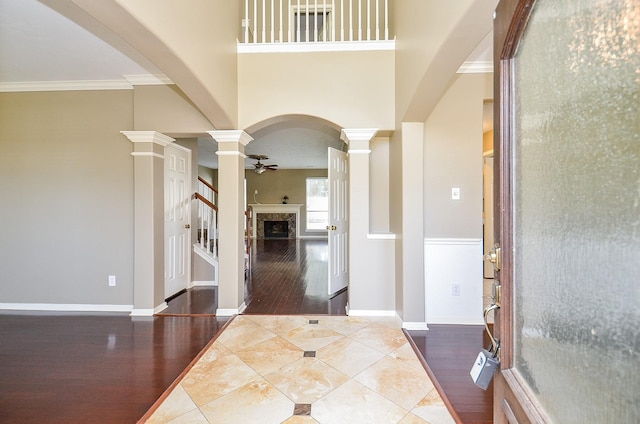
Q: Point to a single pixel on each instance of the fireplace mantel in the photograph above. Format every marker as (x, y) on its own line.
(274, 208)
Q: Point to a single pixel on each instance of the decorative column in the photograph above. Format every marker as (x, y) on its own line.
(148, 267)
(359, 151)
(231, 218)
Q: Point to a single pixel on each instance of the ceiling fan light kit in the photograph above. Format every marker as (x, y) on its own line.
(259, 167)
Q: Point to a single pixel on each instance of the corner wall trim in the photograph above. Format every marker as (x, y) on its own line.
(65, 307)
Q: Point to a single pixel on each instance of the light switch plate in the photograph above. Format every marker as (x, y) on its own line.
(455, 193)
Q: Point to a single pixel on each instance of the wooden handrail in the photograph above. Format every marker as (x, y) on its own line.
(208, 184)
(205, 201)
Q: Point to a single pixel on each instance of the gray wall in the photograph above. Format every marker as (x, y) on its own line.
(453, 158)
(66, 184)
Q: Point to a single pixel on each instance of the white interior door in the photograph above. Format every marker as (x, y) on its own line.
(338, 221)
(177, 171)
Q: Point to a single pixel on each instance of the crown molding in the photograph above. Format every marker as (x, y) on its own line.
(127, 83)
(477, 67)
(148, 79)
(12, 87)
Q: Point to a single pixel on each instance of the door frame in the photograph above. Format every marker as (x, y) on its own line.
(513, 400)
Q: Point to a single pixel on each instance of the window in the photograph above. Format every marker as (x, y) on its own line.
(317, 203)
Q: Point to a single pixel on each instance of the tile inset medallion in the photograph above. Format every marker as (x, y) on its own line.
(331, 369)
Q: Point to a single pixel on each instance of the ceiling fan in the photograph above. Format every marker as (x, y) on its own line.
(259, 167)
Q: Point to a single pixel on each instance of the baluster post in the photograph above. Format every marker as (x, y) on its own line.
(255, 21)
(264, 23)
(306, 38)
(386, 20)
(246, 21)
(280, 37)
(272, 29)
(368, 20)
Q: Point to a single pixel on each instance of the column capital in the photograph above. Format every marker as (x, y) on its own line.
(231, 136)
(357, 134)
(148, 137)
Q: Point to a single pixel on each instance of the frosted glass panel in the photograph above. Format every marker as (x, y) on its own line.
(577, 209)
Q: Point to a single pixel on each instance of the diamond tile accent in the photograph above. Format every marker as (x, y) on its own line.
(302, 409)
(352, 370)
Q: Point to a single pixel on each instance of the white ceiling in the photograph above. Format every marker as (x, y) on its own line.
(53, 41)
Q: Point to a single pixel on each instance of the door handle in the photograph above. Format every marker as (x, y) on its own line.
(331, 227)
(187, 226)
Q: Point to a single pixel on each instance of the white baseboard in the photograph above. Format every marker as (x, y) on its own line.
(456, 320)
(148, 312)
(231, 312)
(415, 326)
(65, 307)
(370, 313)
(204, 283)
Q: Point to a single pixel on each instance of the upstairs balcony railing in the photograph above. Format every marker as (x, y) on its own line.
(315, 21)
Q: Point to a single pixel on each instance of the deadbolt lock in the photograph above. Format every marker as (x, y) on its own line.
(494, 257)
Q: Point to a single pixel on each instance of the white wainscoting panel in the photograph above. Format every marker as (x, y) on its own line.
(453, 281)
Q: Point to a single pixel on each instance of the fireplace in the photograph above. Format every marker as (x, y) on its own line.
(276, 225)
(263, 215)
(276, 229)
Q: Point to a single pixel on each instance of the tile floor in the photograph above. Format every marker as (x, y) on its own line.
(296, 369)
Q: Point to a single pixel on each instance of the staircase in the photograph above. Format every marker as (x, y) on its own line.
(206, 247)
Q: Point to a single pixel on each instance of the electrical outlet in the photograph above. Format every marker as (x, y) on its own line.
(255, 192)
(455, 290)
(112, 281)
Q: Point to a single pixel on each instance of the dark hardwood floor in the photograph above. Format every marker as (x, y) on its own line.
(289, 277)
(75, 368)
(195, 301)
(110, 368)
(449, 352)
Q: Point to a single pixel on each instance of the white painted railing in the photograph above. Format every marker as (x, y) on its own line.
(207, 218)
(314, 21)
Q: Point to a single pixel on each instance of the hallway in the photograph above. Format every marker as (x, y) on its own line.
(289, 277)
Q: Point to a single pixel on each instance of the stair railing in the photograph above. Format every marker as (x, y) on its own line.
(207, 217)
